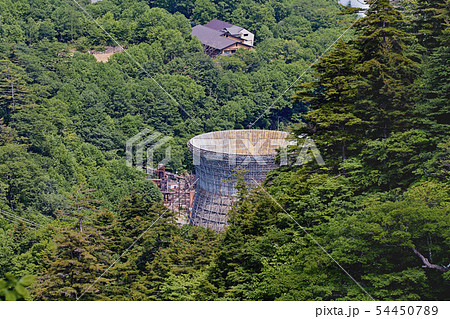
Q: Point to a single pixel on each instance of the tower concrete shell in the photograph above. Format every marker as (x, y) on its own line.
(218, 156)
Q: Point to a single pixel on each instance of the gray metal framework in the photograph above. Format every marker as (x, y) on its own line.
(218, 156)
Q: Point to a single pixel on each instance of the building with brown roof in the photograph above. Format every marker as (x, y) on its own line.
(222, 38)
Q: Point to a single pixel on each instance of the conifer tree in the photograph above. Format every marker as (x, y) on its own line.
(434, 108)
(364, 88)
(331, 120)
(432, 16)
(79, 256)
(14, 94)
(74, 268)
(143, 229)
(386, 75)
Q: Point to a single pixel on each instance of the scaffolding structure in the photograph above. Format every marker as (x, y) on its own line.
(218, 157)
(178, 192)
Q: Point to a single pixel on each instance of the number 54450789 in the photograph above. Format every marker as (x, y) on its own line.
(407, 310)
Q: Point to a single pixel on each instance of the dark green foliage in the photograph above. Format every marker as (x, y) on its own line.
(75, 264)
(365, 87)
(436, 86)
(380, 205)
(180, 269)
(333, 119)
(387, 75)
(79, 253)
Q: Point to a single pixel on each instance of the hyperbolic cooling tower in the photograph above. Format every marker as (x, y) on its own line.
(217, 157)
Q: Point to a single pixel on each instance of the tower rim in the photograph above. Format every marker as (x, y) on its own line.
(195, 143)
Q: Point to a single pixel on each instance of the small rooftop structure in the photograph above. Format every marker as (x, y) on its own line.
(222, 38)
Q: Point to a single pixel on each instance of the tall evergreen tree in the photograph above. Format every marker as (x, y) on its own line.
(434, 108)
(72, 271)
(331, 120)
(431, 16)
(79, 255)
(14, 94)
(143, 229)
(387, 76)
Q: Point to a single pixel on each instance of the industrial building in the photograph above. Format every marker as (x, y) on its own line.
(218, 156)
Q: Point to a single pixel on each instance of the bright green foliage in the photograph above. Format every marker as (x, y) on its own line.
(386, 233)
(379, 244)
(204, 11)
(380, 206)
(250, 237)
(397, 160)
(14, 94)
(12, 289)
(21, 177)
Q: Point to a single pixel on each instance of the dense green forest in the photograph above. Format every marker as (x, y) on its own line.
(373, 222)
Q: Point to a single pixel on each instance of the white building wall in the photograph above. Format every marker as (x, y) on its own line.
(354, 3)
(247, 36)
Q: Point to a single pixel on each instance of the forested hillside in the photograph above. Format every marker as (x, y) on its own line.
(373, 222)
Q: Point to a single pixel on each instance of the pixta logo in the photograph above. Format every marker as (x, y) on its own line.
(146, 142)
(247, 151)
(307, 149)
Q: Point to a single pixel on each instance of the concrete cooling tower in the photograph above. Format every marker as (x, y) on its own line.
(217, 157)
